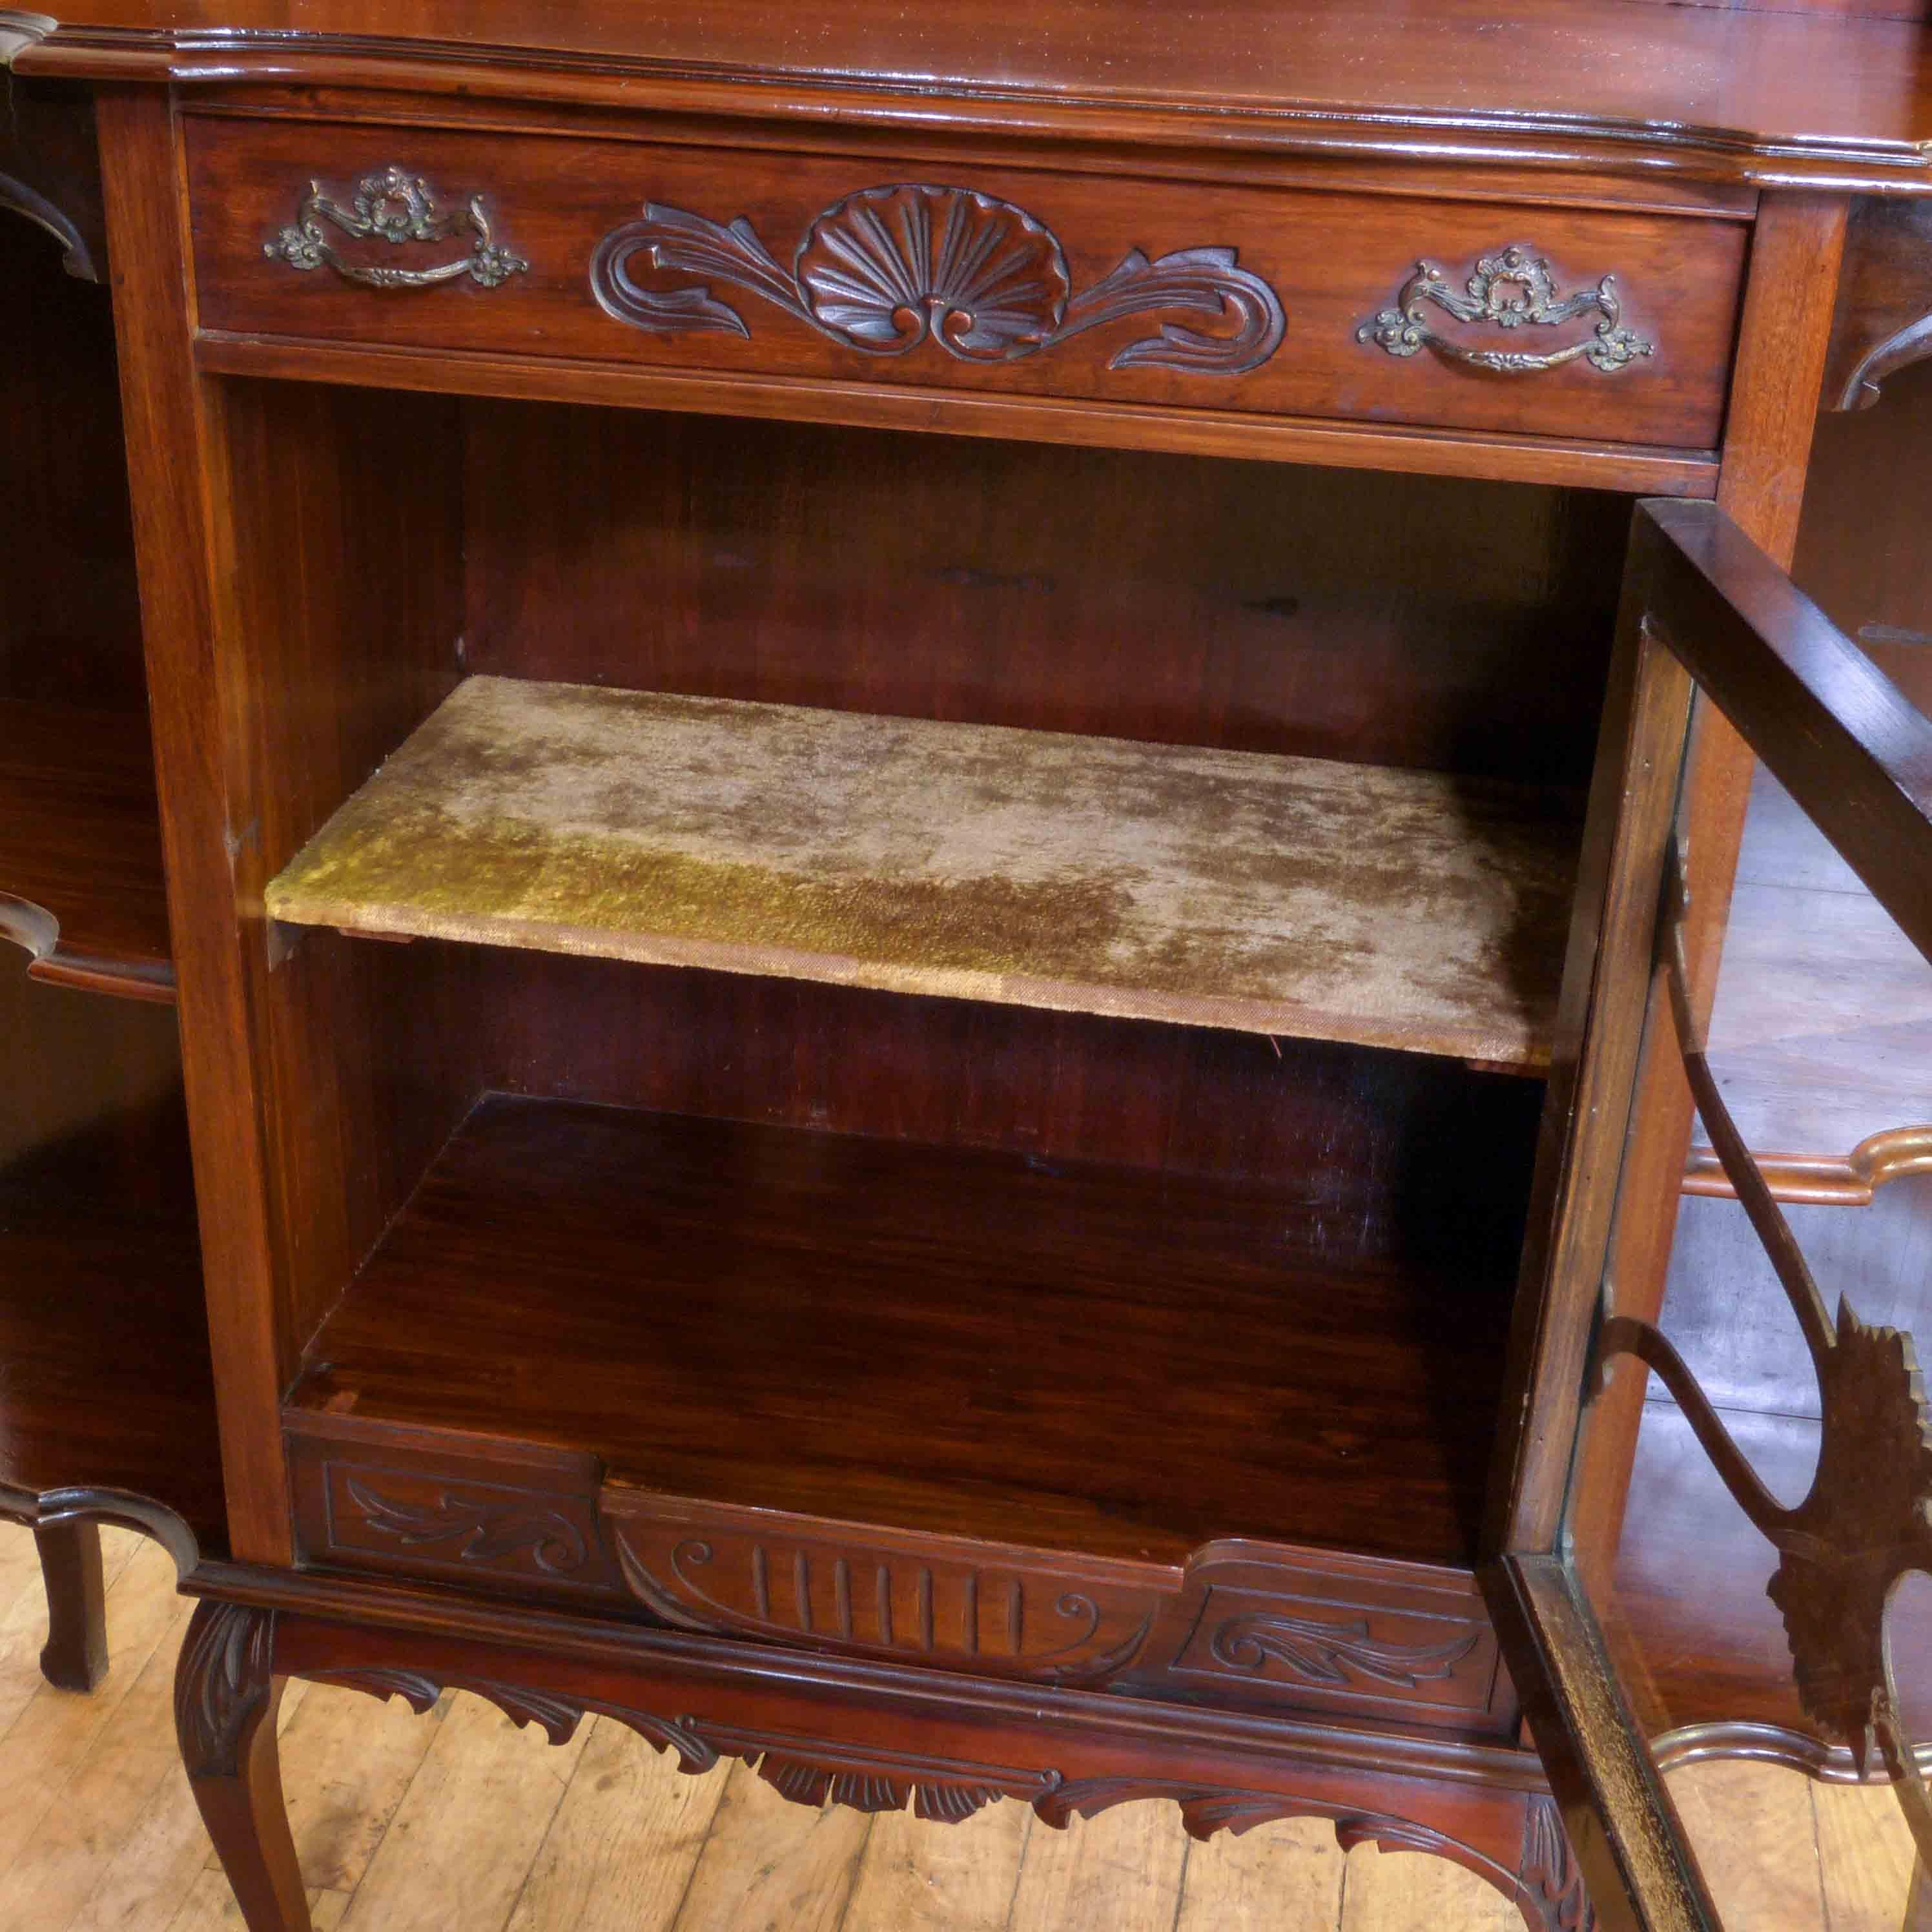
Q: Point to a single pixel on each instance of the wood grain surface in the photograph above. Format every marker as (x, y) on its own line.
(887, 1327)
(1333, 262)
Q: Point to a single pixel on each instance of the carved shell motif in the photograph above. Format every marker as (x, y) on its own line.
(889, 266)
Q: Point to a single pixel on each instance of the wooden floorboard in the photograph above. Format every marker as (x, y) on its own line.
(458, 1822)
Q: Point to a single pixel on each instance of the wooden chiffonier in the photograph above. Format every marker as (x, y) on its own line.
(1060, 852)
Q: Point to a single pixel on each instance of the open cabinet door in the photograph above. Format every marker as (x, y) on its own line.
(1718, 1536)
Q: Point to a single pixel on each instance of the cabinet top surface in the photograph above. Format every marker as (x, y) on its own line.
(1767, 97)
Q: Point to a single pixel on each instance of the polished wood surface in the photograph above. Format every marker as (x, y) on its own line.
(1051, 1334)
(102, 1333)
(1771, 98)
(80, 846)
(1327, 265)
(1259, 607)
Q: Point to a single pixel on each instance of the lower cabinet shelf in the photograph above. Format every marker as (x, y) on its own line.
(988, 1412)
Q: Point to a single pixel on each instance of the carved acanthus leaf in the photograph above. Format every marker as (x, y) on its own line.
(890, 267)
(1326, 1652)
(1550, 1890)
(222, 1678)
(490, 1530)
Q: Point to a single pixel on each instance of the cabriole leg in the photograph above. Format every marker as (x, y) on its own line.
(226, 1697)
(75, 1658)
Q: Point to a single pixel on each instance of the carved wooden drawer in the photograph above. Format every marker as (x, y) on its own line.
(1055, 289)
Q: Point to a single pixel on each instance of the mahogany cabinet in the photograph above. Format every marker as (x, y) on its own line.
(1060, 850)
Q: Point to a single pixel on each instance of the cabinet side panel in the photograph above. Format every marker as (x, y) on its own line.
(295, 557)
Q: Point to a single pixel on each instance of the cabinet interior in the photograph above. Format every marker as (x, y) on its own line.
(1021, 1267)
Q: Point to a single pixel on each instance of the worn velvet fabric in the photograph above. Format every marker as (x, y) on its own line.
(1276, 895)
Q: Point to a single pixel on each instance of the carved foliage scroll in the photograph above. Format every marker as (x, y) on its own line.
(889, 268)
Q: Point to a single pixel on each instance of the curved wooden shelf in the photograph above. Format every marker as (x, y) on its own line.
(1281, 895)
(81, 885)
(103, 1333)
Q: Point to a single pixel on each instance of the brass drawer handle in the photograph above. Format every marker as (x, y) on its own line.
(397, 207)
(1510, 288)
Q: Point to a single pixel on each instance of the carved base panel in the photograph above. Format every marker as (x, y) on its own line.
(843, 1734)
(1247, 1626)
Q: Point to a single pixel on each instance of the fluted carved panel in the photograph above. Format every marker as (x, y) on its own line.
(967, 1606)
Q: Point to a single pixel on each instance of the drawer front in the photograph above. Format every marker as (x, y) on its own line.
(982, 278)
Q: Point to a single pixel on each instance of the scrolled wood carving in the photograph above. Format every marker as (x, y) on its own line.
(890, 267)
(557, 1717)
(887, 1601)
(1335, 1653)
(222, 1680)
(490, 1530)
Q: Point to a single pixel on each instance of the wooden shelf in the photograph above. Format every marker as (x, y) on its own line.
(81, 884)
(1821, 1038)
(1081, 1358)
(1273, 894)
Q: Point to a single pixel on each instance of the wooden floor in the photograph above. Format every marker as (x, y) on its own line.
(458, 1820)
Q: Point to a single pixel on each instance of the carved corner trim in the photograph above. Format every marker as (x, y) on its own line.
(890, 267)
(222, 1680)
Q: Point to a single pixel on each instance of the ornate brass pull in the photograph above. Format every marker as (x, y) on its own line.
(1509, 288)
(397, 207)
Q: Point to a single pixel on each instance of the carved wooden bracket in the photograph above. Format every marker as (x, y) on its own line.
(889, 267)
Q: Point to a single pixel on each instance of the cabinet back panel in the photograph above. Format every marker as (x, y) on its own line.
(1381, 1155)
(1455, 625)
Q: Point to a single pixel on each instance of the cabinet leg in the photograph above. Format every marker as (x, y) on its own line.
(76, 1655)
(226, 1695)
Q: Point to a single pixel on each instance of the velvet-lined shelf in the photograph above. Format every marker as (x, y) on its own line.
(1412, 910)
